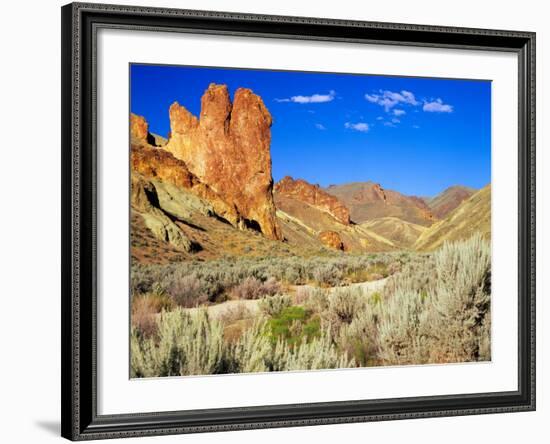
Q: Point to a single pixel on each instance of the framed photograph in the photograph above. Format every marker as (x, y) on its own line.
(283, 221)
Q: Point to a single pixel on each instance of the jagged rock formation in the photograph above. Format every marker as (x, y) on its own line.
(313, 195)
(446, 201)
(140, 135)
(159, 164)
(228, 148)
(470, 217)
(368, 200)
(331, 239)
(139, 128)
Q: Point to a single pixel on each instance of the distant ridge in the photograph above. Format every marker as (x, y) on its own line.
(471, 216)
(368, 200)
(446, 201)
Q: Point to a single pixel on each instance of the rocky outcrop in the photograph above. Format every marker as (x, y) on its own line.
(140, 135)
(159, 164)
(139, 128)
(313, 195)
(144, 200)
(331, 239)
(228, 149)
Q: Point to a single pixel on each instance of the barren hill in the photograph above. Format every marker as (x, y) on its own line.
(368, 200)
(448, 200)
(305, 224)
(303, 191)
(401, 233)
(471, 216)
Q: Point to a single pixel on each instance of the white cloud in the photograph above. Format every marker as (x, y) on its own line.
(399, 112)
(388, 99)
(409, 97)
(379, 118)
(315, 98)
(437, 106)
(416, 126)
(360, 126)
(320, 126)
(395, 120)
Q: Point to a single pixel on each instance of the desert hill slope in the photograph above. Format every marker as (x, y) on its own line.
(473, 215)
(401, 233)
(304, 221)
(314, 195)
(446, 201)
(368, 200)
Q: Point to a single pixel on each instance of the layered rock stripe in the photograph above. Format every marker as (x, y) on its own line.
(313, 194)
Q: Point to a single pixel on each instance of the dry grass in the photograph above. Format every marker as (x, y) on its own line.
(145, 309)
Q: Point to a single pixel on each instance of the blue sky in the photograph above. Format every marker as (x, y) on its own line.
(414, 135)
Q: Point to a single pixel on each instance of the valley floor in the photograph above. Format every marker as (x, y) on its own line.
(320, 312)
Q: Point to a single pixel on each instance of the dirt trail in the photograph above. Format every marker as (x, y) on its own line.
(368, 287)
(217, 310)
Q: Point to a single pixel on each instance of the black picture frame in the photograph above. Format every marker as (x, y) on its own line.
(80, 22)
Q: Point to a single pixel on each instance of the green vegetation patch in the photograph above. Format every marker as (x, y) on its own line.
(294, 324)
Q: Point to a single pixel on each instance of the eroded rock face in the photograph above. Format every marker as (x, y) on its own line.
(228, 149)
(158, 164)
(312, 194)
(139, 128)
(144, 201)
(331, 239)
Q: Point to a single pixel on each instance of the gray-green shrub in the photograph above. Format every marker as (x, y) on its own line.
(272, 306)
(192, 344)
(434, 308)
(187, 344)
(444, 317)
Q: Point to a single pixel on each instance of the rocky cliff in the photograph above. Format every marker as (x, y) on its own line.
(158, 164)
(331, 239)
(144, 201)
(139, 128)
(228, 148)
(313, 195)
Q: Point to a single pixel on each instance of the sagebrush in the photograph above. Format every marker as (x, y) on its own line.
(313, 314)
